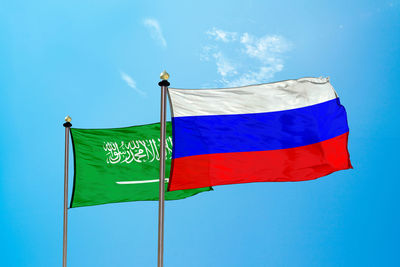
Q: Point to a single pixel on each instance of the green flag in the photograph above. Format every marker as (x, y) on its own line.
(121, 164)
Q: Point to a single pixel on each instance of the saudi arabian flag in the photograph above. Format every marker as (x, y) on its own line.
(121, 164)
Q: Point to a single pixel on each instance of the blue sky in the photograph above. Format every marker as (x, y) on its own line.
(99, 62)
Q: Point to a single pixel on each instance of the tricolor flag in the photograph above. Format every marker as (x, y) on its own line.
(292, 130)
(121, 164)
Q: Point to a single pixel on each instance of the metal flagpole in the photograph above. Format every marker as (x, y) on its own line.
(67, 126)
(164, 85)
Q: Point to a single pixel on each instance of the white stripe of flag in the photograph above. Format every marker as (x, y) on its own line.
(269, 97)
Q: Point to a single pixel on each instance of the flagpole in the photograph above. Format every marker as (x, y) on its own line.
(67, 126)
(164, 85)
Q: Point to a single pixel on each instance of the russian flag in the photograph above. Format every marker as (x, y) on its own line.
(292, 130)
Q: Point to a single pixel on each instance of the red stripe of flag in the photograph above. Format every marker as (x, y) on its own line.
(283, 165)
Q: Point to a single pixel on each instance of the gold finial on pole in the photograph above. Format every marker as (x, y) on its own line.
(68, 119)
(164, 75)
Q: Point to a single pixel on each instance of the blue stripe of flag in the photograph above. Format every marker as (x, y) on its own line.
(198, 135)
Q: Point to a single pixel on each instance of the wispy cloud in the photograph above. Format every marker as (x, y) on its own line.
(224, 66)
(242, 58)
(131, 83)
(221, 35)
(264, 48)
(155, 31)
(254, 77)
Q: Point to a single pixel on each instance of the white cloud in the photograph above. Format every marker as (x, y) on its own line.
(131, 83)
(221, 35)
(155, 31)
(264, 48)
(205, 53)
(245, 60)
(254, 77)
(224, 66)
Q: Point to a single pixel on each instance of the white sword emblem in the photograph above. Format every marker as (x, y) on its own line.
(142, 182)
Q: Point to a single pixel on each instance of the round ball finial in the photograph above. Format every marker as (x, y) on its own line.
(164, 75)
(68, 119)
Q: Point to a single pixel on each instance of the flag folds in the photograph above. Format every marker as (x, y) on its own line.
(120, 164)
(292, 130)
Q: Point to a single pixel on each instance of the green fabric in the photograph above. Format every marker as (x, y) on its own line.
(106, 157)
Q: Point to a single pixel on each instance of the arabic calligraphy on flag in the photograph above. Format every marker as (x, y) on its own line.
(136, 151)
